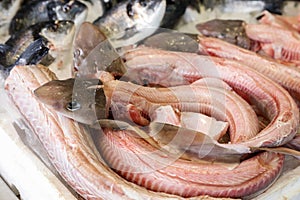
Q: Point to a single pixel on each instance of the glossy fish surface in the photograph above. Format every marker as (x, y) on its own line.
(47, 10)
(35, 44)
(232, 31)
(131, 21)
(75, 98)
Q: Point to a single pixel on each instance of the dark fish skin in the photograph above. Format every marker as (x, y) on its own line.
(175, 9)
(232, 31)
(79, 98)
(31, 46)
(33, 53)
(46, 10)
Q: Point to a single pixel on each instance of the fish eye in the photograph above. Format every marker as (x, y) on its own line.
(73, 106)
(143, 3)
(130, 12)
(66, 8)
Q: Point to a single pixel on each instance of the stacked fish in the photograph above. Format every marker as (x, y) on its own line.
(175, 116)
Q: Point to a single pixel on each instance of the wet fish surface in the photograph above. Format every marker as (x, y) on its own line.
(174, 11)
(131, 21)
(47, 10)
(232, 31)
(172, 41)
(33, 45)
(95, 53)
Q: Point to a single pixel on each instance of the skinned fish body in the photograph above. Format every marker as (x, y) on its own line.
(175, 68)
(131, 21)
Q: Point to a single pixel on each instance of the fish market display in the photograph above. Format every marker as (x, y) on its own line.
(166, 68)
(70, 147)
(288, 77)
(142, 164)
(127, 109)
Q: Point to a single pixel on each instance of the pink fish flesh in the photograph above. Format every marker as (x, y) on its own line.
(137, 161)
(176, 68)
(69, 144)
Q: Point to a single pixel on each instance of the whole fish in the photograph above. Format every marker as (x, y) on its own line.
(131, 21)
(47, 10)
(39, 43)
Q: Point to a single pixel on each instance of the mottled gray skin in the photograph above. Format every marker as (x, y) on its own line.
(80, 99)
(131, 21)
(46, 10)
(173, 41)
(232, 31)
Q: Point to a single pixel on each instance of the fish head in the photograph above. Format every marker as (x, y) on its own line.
(59, 33)
(78, 99)
(71, 10)
(148, 12)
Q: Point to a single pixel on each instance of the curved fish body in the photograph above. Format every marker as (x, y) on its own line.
(37, 44)
(176, 68)
(47, 10)
(131, 21)
(76, 98)
(69, 144)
